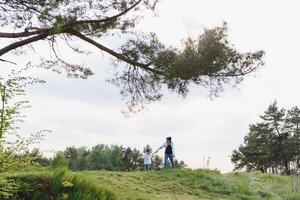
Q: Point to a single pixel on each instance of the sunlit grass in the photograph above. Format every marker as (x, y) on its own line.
(169, 184)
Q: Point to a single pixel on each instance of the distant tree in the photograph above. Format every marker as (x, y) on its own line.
(256, 154)
(59, 161)
(209, 61)
(127, 159)
(71, 154)
(293, 126)
(138, 161)
(77, 157)
(132, 159)
(116, 157)
(96, 158)
(37, 156)
(103, 157)
(180, 164)
(157, 162)
(276, 118)
(271, 145)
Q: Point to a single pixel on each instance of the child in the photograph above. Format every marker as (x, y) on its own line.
(147, 160)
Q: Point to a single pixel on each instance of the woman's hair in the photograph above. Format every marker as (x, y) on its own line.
(169, 139)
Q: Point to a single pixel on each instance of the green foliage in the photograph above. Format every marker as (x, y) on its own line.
(132, 159)
(58, 184)
(167, 184)
(271, 146)
(157, 162)
(11, 162)
(12, 89)
(103, 157)
(77, 157)
(208, 58)
(209, 61)
(38, 156)
(180, 164)
(14, 148)
(99, 157)
(7, 188)
(59, 161)
(13, 158)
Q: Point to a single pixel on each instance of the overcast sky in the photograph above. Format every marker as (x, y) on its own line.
(88, 112)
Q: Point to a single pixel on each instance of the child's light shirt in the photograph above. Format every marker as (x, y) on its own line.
(147, 159)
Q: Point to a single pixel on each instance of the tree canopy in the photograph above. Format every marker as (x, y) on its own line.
(12, 88)
(145, 65)
(102, 157)
(273, 145)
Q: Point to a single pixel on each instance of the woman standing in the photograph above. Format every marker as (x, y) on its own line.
(169, 151)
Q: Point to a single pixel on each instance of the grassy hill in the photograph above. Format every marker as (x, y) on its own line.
(170, 184)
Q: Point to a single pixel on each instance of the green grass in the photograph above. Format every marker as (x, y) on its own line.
(170, 184)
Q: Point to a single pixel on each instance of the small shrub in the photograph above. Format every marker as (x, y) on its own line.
(59, 185)
(7, 188)
(59, 161)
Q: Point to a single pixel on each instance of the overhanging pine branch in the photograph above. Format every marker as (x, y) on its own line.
(107, 19)
(15, 45)
(2, 60)
(21, 34)
(115, 54)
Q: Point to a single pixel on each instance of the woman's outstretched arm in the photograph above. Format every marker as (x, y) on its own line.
(162, 146)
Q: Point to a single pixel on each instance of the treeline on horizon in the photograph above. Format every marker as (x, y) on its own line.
(100, 157)
(273, 144)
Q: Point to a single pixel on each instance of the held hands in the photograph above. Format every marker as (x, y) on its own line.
(155, 152)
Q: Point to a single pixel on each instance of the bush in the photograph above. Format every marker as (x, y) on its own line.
(60, 184)
(59, 161)
(7, 188)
